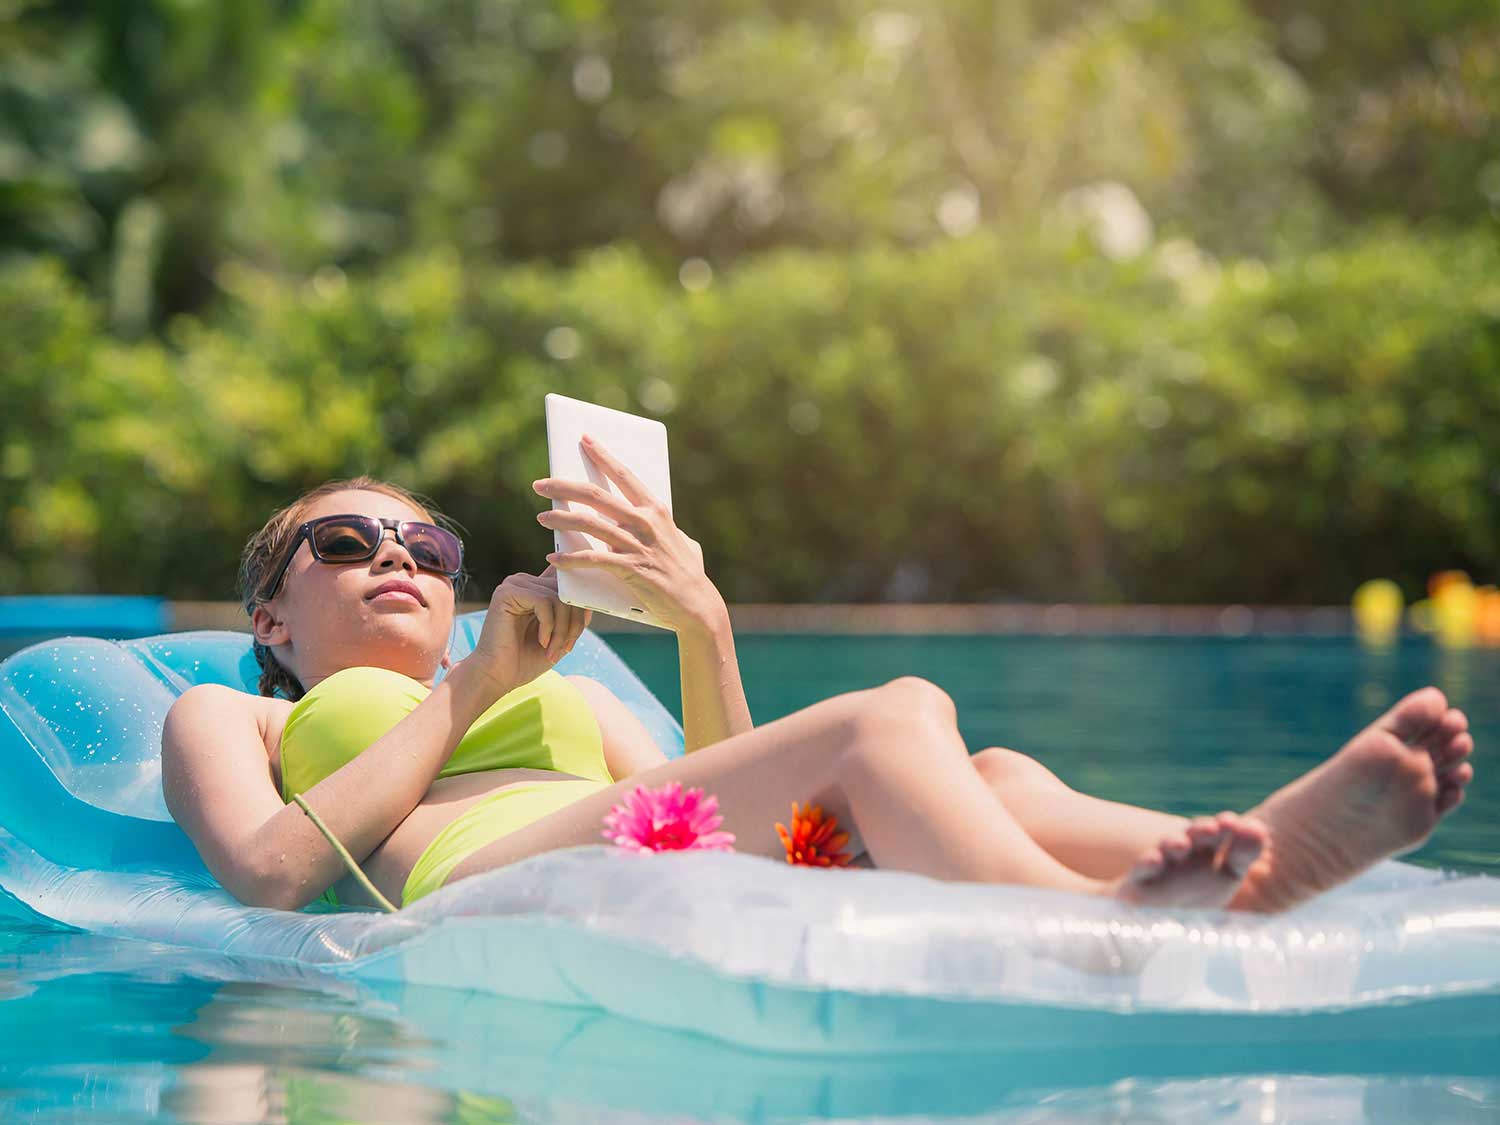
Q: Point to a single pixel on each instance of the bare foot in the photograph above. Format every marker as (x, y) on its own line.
(1382, 794)
(1201, 866)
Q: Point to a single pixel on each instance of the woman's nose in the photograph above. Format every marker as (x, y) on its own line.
(392, 554)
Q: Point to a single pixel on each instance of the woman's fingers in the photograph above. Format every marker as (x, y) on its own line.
(592, 524)
(603, 560)
(562, 631)
(570, 623)
(577, 620)
(629, 484)
(534, 595)
(559, 625)
(585, 492)
(542, 607)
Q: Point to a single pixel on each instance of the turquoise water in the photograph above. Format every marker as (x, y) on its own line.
(128, 1031)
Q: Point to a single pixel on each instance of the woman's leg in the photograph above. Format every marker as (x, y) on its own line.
(1383, 793)
(888, 762)
(1098, 838)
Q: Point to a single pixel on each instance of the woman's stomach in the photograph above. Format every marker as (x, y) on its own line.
(448, 798)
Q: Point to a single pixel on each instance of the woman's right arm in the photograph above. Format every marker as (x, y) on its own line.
(218, 785)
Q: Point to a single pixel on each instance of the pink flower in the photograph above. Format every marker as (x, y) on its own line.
(667, 820)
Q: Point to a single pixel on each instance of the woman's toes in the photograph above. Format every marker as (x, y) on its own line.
(1449, 798)
(1243, 851)
(1461, 746)
(1244, 839)
(1450, 726)
(1451, 785)
(1174, 848)
(1459, 776)
(1148, 866)
(1414, 717)
(1202, 829)
(1233, 821)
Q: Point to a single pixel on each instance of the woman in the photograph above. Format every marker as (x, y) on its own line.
(351, 591)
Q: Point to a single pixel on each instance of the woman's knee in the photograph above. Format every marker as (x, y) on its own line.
(1007, 768)
(913, 698)
(908, 716)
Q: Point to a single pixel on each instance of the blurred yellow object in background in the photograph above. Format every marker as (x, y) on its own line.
(1377, 606)
(1451, 611)
(1443, 579)
(1487, 615)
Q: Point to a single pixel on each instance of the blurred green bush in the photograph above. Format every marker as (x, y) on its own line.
(1089, 300)
(969, 419)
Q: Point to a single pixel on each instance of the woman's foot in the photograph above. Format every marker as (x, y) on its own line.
(1382, 794)
(1201, 866)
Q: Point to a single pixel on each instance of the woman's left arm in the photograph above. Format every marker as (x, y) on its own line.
(712, 693)
(664, 568)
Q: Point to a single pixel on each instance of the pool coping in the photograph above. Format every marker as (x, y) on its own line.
(1017, 619)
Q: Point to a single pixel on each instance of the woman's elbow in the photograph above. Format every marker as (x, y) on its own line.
(267, 884)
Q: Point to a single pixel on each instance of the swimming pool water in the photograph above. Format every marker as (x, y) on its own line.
(91, 1029)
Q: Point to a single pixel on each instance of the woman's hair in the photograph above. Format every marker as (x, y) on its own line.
(267, 548)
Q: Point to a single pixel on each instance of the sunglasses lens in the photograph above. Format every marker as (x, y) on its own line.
(347, 537)
(433, 548)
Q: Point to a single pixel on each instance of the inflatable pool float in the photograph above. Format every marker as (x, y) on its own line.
(735, 947)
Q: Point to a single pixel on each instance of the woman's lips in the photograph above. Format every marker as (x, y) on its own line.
(397, 595)
(398, 588)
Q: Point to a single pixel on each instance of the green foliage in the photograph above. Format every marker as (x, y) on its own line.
(961, 300)
(1170, 428)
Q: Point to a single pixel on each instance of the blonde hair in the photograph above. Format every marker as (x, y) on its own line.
(267, 549)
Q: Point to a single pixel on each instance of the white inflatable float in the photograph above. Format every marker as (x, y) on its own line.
(741, 949)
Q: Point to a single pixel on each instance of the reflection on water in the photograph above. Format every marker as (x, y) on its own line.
(129, 1031)
(209, 1093)
(1265, 1100)
(1188, 725)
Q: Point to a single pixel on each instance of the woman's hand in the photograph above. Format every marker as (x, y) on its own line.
(527, 630)
(642, 546)
(664, 570)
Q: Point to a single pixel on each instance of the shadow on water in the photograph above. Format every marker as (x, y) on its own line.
(163, 1034)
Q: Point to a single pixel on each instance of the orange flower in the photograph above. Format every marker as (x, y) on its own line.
(814, 841)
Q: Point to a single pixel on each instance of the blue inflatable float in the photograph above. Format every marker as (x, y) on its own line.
(730, 946)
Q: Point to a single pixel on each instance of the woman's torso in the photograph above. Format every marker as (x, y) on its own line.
(447, 798)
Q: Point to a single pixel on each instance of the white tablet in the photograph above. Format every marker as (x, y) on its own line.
(641, 444)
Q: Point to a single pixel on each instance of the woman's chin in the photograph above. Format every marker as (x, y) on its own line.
(405, 643)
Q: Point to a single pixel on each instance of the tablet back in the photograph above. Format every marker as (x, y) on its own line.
(641, 443)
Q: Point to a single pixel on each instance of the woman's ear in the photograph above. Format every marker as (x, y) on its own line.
(268, 629)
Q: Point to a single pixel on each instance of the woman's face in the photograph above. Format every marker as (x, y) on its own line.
(383, 611)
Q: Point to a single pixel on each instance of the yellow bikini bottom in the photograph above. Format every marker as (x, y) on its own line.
(486, 821)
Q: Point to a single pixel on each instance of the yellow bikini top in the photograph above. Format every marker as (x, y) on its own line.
(546, 724)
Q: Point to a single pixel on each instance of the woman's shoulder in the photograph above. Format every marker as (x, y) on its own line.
(216, 706)
(221, 698)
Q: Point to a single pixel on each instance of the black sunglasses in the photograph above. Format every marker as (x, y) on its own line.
(347, 539)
